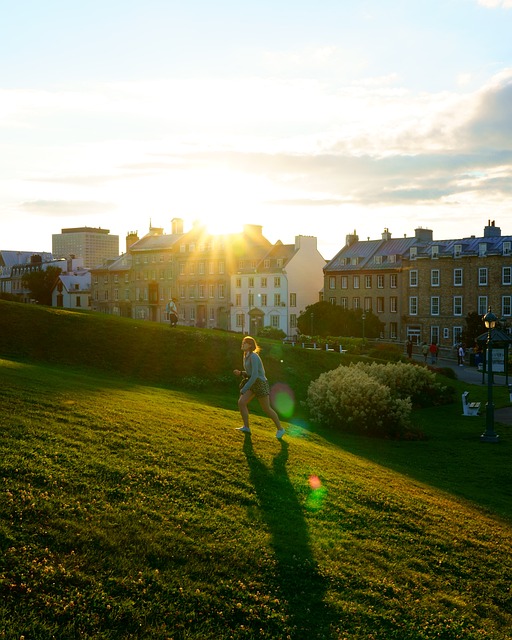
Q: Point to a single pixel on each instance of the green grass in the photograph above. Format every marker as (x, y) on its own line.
(132, 510)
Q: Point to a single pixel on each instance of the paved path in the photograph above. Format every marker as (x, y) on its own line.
(472, 376)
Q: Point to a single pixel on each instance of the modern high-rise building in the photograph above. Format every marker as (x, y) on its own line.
(94, 246)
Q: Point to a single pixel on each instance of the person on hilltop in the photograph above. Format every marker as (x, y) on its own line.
(256, 386)
(434, 350)
(172, 310)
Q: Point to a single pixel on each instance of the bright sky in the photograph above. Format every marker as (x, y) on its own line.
(313, 117)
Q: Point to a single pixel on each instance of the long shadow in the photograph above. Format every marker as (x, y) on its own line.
(299, 581)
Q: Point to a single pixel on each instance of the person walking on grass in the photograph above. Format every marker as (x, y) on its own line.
(256, 386)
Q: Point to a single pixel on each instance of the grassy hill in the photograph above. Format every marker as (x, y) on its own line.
(130, 508)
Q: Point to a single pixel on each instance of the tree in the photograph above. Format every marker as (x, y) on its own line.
(326, 319)
(41, 283)
(474, 327)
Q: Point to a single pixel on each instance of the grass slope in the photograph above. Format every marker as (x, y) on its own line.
(136, 511)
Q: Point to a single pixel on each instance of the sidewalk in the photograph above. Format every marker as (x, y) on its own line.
(472, 376)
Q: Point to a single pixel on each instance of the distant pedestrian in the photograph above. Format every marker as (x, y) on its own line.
(433, 350)
(424, 351)
(461, 354)
(256, 386)
(172, 311)
(409, 349)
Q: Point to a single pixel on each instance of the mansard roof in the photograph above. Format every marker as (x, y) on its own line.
(466, 246)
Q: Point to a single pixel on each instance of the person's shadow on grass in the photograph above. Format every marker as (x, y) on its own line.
(301, 586)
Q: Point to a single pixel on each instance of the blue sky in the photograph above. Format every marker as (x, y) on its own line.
(312, 117)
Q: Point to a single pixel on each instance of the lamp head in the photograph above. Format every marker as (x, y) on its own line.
(490, 319)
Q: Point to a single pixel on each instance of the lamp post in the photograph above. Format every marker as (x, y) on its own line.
(489, 436)
(363, 318)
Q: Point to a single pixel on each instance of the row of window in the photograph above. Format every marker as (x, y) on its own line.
(435, 305)
(368, 303)
(275, 320)
(458, 250)
(261, 300)
(142, 294)
(435, 279)
(263, 282)
(458, 277)
(367, 281)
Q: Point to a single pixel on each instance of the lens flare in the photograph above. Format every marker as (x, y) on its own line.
(282, 399)
(318, 492)
(315, 482)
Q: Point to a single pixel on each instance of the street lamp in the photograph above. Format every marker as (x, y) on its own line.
(363, 318)
(489, 436)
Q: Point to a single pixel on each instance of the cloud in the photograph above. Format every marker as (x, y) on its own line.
(63, 208)
(493, 4)
(490, 126)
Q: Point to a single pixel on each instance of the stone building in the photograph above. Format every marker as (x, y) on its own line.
(368, 275)
(446, 280)
(421, 288)
(273, 291)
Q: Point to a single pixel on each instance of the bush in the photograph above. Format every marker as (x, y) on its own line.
(271, 332)
(406, 380)
(384, 351)
(376, 399)
(350, 399)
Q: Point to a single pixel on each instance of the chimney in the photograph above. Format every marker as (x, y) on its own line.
(423, 235)
(177, 226)
(131, 238)
(386, 234)
(491, 231)
(351, 238)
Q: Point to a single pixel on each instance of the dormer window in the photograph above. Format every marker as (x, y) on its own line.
(353, 261)
(457, 251)
(413, 253)
(507, 248)
(392, 258)
(482, 249)
(435, 252)
(378, 259)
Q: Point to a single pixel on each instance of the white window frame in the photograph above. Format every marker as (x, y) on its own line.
(457, 304)
(506, 306)
(435, 278)
(458, 277)
(413, 278)
(483, 305)
(435, 303)
(413, 305)
(483, 276)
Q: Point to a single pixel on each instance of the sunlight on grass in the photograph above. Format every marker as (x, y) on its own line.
(136, 511)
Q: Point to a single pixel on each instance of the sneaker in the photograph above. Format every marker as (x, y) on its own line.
(243, 429)
(280, 433)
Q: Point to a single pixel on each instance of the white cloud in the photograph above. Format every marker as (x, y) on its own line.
(493, 4)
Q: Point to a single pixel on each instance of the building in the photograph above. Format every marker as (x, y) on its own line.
(73, 287)
(368, 275)
(94, 246)
(15, 265)
(236, 281)
(421, 288)
(273, 291)
(445, 280)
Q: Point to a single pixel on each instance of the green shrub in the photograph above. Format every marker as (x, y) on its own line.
(406, 380)
(385, 351)
(271, 332)
(350, 399)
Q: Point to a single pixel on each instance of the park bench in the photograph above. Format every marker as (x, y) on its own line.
(469, 408)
